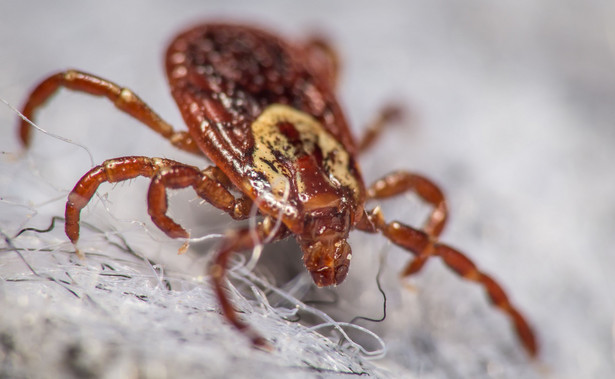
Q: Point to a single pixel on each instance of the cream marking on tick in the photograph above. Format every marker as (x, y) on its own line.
(269, 142)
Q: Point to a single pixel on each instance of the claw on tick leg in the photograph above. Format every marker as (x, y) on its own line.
(183, 248)
(262, 344)
(79, 252)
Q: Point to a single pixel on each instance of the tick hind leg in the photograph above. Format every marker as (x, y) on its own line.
(399, 182)
(387, 116)
(323, 59)
(418, 243)
(123, 98)
(166, 174)
(235, 242)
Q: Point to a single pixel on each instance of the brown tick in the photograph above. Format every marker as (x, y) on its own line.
(264, 112)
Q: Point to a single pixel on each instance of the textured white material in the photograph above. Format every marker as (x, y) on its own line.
(511, 107)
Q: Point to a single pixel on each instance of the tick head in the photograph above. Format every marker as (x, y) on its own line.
(326, 253)
(327, 262)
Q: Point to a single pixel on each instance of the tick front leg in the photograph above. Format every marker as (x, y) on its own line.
(418, 242)
(395, 184)
(237, 241)
(111, 171)
(209, 184)
(123, 98)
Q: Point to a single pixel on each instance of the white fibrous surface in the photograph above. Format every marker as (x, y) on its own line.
(115, 314)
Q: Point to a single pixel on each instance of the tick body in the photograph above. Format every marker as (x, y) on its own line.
(263, 111)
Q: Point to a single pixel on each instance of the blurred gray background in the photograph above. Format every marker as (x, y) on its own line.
(511, 109)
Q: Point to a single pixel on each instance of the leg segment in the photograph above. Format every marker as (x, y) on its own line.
(323, 60)
(112, 171)
(396, 183)
(205, 184)
(388, 115)
(399, 182)
(120, 169)
(123, 98)
(237, 241)
(417, 242)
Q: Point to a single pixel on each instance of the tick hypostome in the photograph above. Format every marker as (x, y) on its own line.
(264, 112)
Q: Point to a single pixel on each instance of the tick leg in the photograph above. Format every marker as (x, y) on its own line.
(237, 241)
(399, 182)
(323, 59)
(120, 169)
(396, 183)
(112, 171)
(123, 98)
(208, 184)
(417, 242)
(387, 115)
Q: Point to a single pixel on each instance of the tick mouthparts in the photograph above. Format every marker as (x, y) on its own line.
(327, 263)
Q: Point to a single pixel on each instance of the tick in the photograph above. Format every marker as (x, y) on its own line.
(264, 112)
